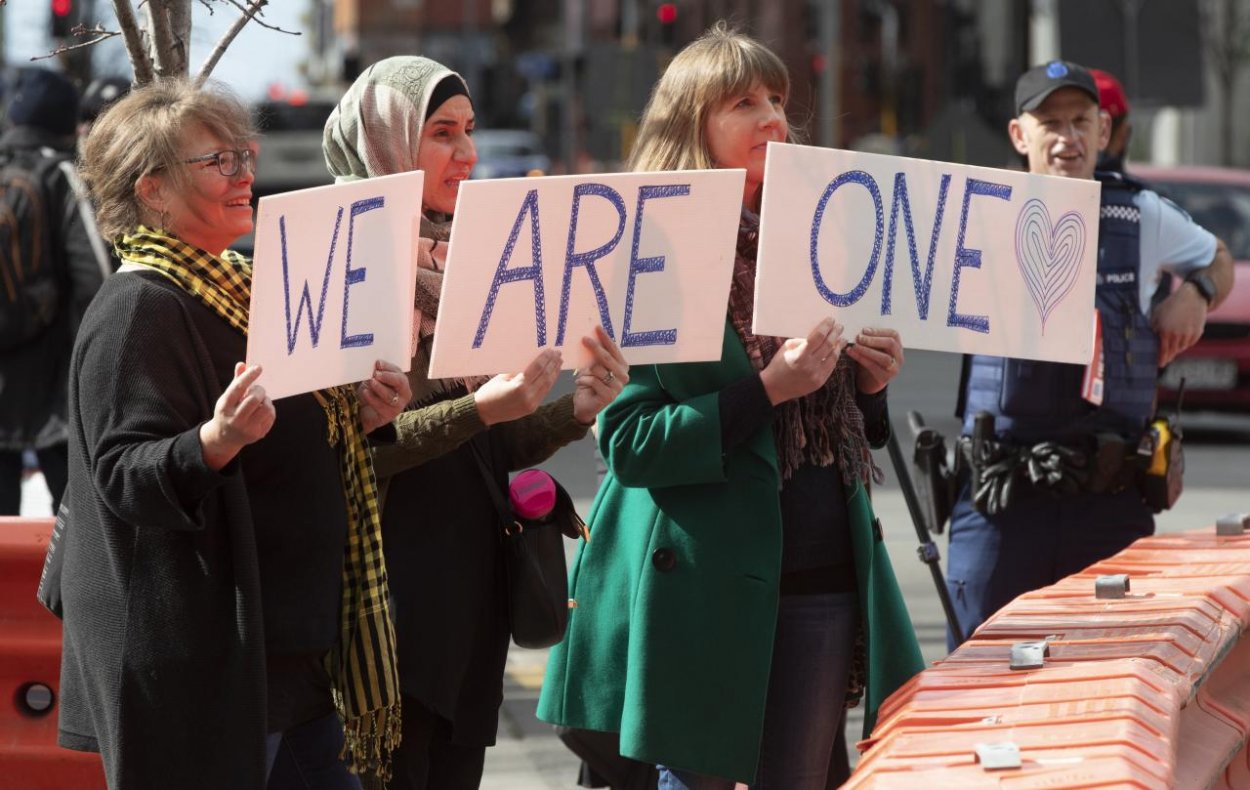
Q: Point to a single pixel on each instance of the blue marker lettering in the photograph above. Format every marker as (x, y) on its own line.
(637, 266)
(314, 322)
(971, 258)
(857, 293)
(532, 272)
(353, 276)
(588, 259)
(922, 285)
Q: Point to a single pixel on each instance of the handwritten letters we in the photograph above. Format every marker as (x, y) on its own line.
(333, 282)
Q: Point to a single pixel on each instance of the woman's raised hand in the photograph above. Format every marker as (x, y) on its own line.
(803, 365)
(598, 384)
(243, 414)
(879, 353)
(383, 395)
(510, 396)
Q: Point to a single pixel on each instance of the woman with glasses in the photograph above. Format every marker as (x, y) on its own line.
(191, 492)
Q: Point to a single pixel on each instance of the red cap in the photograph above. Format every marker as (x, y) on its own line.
(1110, 93)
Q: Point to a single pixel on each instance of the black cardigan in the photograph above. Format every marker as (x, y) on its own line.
(163, 667)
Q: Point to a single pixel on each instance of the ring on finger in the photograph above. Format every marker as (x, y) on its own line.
(608, 377)
(394, 398)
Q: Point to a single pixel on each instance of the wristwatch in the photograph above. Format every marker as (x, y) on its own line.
(1205, 285)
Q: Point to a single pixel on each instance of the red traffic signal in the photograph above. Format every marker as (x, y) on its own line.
(62, 7)
(666, 13)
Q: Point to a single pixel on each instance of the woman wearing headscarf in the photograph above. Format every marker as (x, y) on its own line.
(191, 492)
(441, 530)
(737, 595)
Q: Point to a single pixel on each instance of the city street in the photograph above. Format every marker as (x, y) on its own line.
(528, 755)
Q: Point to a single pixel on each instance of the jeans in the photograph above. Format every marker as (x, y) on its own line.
(804, 714)
(1035, 543)
(428, 758)
(306, 757)
(53, 462)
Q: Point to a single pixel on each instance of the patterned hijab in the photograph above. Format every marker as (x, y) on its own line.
(376, 131)
(362, 664)
(376, 128)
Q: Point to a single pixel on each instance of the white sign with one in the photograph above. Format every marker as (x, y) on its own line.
(537, 262)
(956, 258)
(333, 282)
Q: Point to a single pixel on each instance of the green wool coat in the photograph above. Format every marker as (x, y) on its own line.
(676, 592)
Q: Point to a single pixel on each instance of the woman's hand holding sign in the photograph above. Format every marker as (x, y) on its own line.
(602, 381)
(804, 364)
(243, 414)
(510, 396)
(383, 395)
(879, 353)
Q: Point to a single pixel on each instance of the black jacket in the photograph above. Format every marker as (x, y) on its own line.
(33, 376)
(163, 666)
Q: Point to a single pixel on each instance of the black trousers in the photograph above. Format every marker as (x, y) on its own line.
(53, 461)
(427, 759)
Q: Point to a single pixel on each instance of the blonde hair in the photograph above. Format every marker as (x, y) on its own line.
(718, 65)
(142, 133)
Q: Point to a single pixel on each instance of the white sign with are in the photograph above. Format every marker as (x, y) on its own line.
(537, 262)
(333, 282)
(956, 258)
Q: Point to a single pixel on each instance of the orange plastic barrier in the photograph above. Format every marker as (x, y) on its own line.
(1147, 690)
(30, 672)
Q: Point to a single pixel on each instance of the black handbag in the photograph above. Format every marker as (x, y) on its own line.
(533, 551)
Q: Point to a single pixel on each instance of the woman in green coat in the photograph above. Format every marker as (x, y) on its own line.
(736, 593)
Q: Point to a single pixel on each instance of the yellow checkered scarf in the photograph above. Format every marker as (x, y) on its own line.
(362, 664)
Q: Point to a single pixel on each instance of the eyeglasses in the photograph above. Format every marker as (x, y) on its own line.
(229, 161)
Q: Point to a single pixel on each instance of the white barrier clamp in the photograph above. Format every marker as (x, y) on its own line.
(997, 756)
(1030, 655)
(1111, 585)
(1232, 524)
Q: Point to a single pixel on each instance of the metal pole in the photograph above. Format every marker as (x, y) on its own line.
(928, 550)
(573, 12)
(830, 99)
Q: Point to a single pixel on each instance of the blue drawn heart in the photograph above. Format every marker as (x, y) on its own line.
(1049, 255)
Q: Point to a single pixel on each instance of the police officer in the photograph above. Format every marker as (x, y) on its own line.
(1055, 484)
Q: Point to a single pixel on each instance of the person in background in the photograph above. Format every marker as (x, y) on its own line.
(50, 264)
(1114, 102)
(99, 95)
(222, 582)
(736, 594)
(1010, 538)
(441, 528)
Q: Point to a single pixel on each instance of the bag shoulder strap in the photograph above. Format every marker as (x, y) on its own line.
(492, 485)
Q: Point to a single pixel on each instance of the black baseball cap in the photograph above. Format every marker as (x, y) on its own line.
(1039, 82)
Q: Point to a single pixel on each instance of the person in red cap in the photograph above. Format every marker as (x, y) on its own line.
(1112, 100)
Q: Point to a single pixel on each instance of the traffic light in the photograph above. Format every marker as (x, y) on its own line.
(64, 18)
(666, 14)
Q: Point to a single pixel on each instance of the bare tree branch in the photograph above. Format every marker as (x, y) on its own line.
(258, 19)
(101, 35)
(139, 59)
(163, 48)
(253, 8)
(180, 27)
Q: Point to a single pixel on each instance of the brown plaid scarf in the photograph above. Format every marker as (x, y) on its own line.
(822, 428)
(362, 664)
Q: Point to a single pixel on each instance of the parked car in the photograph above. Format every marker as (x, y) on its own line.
(1216, 370)
(508, 153)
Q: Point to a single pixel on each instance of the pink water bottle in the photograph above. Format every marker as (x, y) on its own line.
(533, 495)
